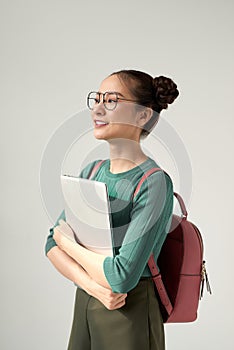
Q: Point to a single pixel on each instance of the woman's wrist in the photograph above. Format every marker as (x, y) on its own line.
(90, 286)
(81, 278)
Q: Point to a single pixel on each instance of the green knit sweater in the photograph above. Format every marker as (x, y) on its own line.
(139, 225)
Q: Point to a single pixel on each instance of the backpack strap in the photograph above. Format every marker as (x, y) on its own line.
(182, 205)
(178, 197)
(95, 168)
(144, 177)
(157, 278)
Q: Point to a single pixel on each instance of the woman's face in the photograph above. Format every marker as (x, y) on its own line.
(120, 122)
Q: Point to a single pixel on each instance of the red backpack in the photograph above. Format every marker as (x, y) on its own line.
(180, 282)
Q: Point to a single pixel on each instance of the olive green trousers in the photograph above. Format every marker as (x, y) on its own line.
(137, 325)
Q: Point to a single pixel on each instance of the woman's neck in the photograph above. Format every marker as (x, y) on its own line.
(125, 154)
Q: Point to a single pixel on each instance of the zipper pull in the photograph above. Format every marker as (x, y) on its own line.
(204, 277)
(208, 288)
(202, 280)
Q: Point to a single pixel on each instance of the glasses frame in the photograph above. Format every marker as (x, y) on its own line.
(104, 101)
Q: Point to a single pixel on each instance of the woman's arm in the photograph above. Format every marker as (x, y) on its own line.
(90, 261)
(74, 272)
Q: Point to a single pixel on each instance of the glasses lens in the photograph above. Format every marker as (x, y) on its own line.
(93, 99)
(110, 101)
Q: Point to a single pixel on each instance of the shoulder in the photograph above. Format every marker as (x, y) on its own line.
(159, 173)
(154, 182)
(86, 171)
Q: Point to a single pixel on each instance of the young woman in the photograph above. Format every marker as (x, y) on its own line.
(116, 306)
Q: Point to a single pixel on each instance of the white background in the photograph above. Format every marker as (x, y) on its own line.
(53, 53)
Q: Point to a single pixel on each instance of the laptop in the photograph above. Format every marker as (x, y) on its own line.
(87, 211)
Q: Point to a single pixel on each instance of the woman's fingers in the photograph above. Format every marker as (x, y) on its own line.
(65, 229)
(120, 304)
(115, 300)
(116, 305)
(120, 297)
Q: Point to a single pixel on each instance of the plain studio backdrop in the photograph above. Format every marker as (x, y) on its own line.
(53, 53)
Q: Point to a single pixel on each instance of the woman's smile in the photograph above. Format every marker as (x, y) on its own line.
(100, 123)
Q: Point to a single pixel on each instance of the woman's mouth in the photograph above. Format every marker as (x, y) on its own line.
(100, 123)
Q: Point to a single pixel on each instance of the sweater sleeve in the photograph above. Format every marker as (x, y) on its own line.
(50, 242)
(150, 219)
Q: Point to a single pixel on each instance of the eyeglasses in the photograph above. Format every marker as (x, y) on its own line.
(110, 99)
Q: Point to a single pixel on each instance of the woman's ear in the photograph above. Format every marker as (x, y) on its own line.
(144, 116)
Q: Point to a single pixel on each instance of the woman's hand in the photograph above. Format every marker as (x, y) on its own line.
(63, 235)
(110, 300)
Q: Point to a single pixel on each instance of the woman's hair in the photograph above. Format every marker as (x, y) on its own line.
(155, 93)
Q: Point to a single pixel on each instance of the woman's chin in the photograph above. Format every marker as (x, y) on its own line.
(99, 135)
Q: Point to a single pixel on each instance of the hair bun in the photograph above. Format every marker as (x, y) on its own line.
(165, 91)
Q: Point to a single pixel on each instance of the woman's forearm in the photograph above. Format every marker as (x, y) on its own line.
(70, 269)
(90, 261)
(73, 271)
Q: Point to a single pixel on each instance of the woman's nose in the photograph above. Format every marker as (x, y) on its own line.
(99, 107)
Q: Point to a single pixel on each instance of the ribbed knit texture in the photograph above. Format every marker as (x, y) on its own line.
(139, 226)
